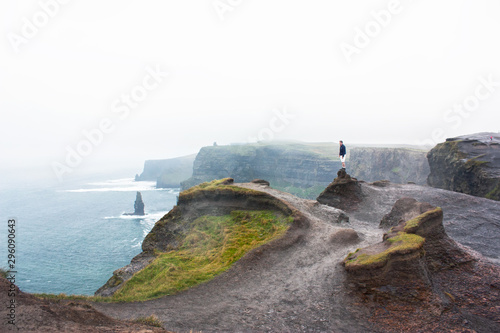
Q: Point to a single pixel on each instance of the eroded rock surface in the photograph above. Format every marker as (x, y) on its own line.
(416, 267)
(343, 193)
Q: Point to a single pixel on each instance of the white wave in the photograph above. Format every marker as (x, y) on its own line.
(137, 245)
(123, 185)
(150, 216)
(116, 181)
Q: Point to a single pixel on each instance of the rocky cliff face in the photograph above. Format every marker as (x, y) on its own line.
(168, 173)
(306, 169)
(398, 165)
(467, 164)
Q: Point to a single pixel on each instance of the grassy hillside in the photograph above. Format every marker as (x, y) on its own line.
(212, 245)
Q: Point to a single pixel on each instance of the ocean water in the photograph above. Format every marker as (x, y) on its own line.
(71, 237)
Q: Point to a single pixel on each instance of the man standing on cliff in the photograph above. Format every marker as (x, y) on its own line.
(342, 153)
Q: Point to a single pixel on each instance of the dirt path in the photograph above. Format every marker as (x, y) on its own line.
(293, 288)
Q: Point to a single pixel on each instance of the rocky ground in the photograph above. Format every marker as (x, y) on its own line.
(298, 284)
(36, 315)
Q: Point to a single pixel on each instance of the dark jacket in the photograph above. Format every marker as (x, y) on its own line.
(342, 150)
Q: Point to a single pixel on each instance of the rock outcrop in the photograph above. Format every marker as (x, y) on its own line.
(404, 209)
(468, 164)
(423, 280)
(408, 254)
(33, 314)
(138, 206)
(343, 193)
(306, 169)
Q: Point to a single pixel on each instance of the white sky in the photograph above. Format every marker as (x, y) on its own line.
(227, 76)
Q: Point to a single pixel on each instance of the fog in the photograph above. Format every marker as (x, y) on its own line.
(90, 86)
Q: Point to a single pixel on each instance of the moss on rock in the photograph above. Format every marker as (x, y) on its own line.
(402, 243)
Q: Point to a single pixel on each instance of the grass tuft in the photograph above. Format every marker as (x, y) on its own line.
(150, 321)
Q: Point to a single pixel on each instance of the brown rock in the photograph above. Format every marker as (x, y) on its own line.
(403, 210)
(343, 193)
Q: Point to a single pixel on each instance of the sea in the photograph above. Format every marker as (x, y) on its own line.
(71, 236)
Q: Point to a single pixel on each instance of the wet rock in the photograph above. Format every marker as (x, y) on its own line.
(344, 237)
(343, 193)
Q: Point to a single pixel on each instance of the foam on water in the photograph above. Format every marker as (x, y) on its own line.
(121, 185)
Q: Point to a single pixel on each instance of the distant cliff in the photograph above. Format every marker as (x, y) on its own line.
(169, 172)
(306, 169)
(398, 165)
(296, 168)
(468, 164)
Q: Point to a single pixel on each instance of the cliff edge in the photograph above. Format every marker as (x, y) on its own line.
(212, 226)
(468, 164)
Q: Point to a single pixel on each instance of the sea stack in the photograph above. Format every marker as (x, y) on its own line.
(138, 205)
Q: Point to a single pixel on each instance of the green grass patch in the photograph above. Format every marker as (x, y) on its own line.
(212, 245)
(215, 185)
(401, 243)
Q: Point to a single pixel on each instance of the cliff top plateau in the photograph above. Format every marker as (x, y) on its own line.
(434, 267)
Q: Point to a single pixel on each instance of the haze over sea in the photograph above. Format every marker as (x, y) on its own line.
(70, 237)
